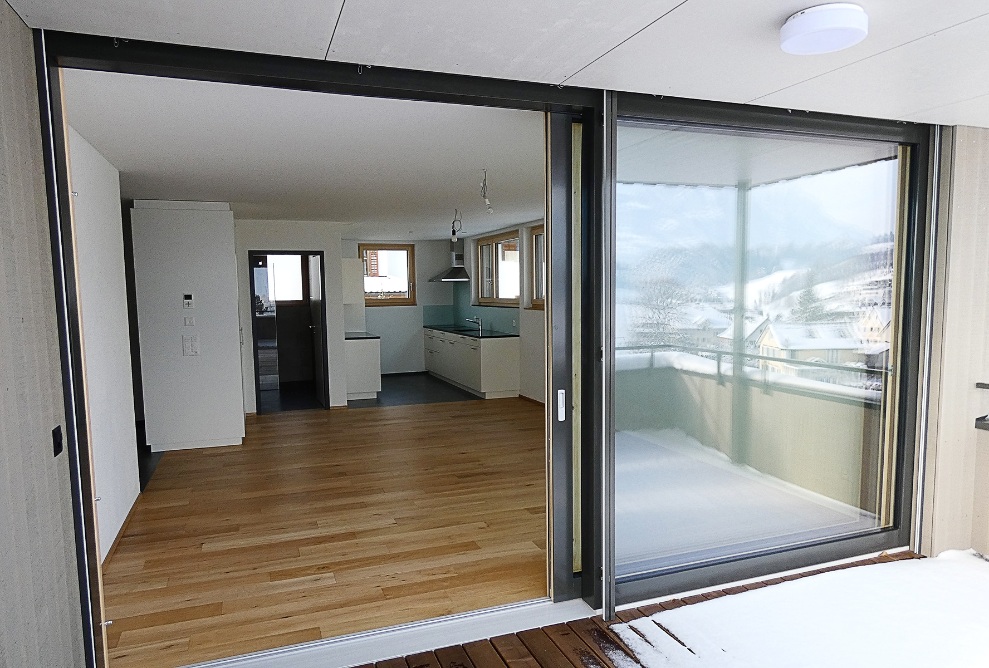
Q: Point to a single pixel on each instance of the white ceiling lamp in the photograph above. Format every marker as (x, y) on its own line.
(824, 29)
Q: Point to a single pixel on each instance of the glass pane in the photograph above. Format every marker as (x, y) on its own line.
(487, 270)
(387, 274)
(285, 277)
(264, 324)
(754, 289)
(507, 254)
(539, 267)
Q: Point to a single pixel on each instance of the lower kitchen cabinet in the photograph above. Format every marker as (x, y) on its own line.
(487, 367)
(363, 367)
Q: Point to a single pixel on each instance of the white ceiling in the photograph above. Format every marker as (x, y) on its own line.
(925, 60)
(392, 169)
(685, 156)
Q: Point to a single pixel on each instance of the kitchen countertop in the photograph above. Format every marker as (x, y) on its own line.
(471, 331)
(353, 336)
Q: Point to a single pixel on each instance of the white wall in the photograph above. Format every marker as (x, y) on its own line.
(956, 511)
(532, 354)
(400, 327)
(271, 235)
(106, 341)
(189, 401)
(532, 330)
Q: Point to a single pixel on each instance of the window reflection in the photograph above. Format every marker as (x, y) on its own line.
(755, 286)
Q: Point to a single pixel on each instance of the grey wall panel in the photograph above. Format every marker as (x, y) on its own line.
(39, 592)
(956, 494)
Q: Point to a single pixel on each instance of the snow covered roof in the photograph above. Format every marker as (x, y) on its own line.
(749, 327)
(813, 336)
(702, 316)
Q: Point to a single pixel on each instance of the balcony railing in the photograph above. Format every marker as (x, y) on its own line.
(856, 382)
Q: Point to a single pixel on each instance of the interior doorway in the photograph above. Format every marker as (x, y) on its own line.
(288, 317)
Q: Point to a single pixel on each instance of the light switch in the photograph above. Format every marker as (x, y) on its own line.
(190, 345)
(190, 321)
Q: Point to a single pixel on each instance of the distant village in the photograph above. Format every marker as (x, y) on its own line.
(834, 331)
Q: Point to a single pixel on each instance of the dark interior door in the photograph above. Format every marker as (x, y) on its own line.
(318, 331)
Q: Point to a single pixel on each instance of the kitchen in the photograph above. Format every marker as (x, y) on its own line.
(486, 338)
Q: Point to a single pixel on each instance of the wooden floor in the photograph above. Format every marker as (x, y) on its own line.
(585, 643)
(325, 523)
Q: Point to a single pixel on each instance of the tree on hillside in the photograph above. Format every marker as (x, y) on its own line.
(809, 307)
(661, 301)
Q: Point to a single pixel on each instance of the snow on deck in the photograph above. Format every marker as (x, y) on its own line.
(916, 612)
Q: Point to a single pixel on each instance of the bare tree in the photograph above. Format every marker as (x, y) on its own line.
(661, 301)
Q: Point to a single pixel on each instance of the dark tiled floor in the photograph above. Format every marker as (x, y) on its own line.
(404, 389)
(299, 396)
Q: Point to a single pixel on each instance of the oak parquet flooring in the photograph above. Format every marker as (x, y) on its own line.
(324, 523)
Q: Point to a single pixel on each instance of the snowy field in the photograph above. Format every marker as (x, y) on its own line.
(930, 613)
(677, 500)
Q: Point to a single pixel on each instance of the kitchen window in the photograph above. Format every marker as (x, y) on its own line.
(499, 269)
(538, 274)
(389, 274)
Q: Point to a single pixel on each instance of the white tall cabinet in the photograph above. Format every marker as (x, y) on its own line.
(185, 271)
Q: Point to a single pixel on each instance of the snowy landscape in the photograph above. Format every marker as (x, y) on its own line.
(821, 277)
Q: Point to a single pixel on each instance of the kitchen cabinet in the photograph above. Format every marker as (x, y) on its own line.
(363, 353)
(485, 366)
(353, 280)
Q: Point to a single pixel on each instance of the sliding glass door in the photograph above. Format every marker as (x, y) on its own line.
(758, 282)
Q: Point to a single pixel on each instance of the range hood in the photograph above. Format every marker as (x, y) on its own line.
(456, 273)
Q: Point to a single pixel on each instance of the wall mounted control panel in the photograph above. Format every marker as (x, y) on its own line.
(190, 345)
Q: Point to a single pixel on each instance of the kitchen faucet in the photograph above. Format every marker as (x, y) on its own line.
(477, 321)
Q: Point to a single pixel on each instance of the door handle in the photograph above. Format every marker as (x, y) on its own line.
(561, 405)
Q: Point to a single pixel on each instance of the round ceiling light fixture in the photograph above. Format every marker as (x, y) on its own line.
(824, 29)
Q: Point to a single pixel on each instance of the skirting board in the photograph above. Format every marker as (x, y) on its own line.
(508, 394)
(361, 648)
(123, 529)
(217, 443)
(355, 396)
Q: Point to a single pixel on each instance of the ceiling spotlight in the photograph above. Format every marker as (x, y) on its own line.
(484, 192)
(824, 29)
(456, 226)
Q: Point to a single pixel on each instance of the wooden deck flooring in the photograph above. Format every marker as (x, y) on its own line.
(585, 643)
(325, 523)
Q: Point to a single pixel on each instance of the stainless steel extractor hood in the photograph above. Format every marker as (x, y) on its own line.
(456, 273)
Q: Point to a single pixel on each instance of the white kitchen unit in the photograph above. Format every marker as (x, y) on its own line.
(353, 280)
(486, 366)
(363, 353)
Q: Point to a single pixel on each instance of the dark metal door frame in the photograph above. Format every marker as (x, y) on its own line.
(57, 50)
(733, 117)
(251, 254)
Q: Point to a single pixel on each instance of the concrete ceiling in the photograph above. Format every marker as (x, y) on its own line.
(924, 60)
(390, 169)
